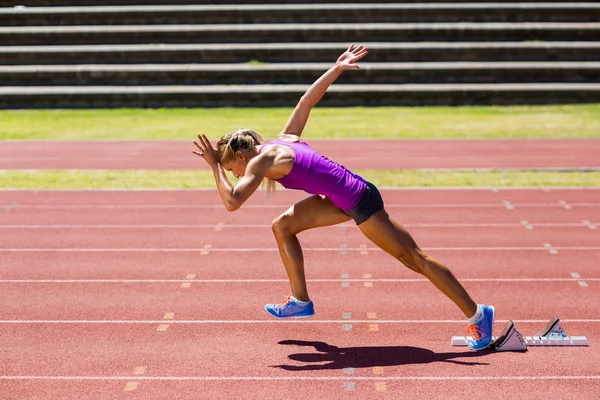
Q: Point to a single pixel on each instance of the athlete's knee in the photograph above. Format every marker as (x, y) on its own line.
(283, 226)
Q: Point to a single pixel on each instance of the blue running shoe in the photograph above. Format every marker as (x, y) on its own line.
(482, 330)
(290, 309)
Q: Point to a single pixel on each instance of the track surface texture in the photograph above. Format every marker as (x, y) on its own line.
(360, 154)
(159, 295)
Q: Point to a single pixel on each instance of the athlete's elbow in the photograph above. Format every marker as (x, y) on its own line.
(231, 206)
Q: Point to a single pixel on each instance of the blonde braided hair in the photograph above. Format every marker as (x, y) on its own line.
(242, 139)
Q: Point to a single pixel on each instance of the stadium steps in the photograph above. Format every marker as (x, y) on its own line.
(260, 33)
(299, 52)
(219, 54)
(300, 13)
(297, 73)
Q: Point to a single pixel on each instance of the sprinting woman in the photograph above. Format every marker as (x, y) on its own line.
(338, 195)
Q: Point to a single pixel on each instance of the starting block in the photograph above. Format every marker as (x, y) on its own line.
(512, 340)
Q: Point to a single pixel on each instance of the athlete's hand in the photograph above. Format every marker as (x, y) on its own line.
(206, 151)
(351, 56)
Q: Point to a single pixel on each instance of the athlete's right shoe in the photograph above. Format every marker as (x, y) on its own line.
(289, 308)
(481, 331)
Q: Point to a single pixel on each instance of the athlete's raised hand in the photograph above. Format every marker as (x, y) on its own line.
(206, 151)
(351, 56)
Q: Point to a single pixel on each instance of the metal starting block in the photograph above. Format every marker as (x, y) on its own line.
(511, 340)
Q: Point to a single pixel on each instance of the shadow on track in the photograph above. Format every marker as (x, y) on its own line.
(366, 357)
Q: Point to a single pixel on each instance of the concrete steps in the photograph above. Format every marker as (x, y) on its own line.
(296, 73)
(260, 33)
(299, 52)
(301, 13)
(288, 95)
(151, 53)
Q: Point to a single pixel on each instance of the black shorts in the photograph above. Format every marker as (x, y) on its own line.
(370, 203)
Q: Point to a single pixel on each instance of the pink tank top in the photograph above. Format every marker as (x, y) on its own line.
(316, 174)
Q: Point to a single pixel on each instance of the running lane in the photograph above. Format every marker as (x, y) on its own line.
(380, 330)
(360, 154)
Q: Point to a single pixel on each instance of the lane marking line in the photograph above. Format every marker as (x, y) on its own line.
(505, 204)
(527, 225)
(363, 251)
(551, 249)
(130, 386)
(169, 315)
(257, 226)
(349, 386)
(343, 249)
(324, 280)
(205, 250)
(266, 249)
(380, 386)
(589, 224)
(301, 321)
(565, 205)
(306, 378)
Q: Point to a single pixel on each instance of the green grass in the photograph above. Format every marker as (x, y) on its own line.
(204, 179)
(565, 121)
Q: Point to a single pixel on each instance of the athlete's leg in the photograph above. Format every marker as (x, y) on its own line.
(391, 237)
(309, 213)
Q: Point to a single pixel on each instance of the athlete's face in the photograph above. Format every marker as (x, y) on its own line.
(237, 167)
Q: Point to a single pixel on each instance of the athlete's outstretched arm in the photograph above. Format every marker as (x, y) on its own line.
(297, 121)
(233, 196)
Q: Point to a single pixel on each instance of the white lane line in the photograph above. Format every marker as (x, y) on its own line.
(342, 227)
(268, 321)
(264, 249)
(269, 206)
(304, 378)
(391, 280)
(220, 226)
(393, 188)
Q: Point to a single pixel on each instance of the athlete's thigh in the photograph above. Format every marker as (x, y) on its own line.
(388, 235)
(312, 212)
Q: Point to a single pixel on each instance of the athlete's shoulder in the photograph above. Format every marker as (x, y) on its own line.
(288, 137)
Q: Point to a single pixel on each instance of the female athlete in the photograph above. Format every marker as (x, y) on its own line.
(338, 195)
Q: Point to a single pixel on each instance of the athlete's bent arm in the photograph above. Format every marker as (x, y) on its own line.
(297, 121)
(233, 197)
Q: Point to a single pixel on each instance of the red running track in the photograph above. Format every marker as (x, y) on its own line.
(91, 308)
(355, 154)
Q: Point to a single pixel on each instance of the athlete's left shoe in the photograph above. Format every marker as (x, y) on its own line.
(481, 331)
(290, 309)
